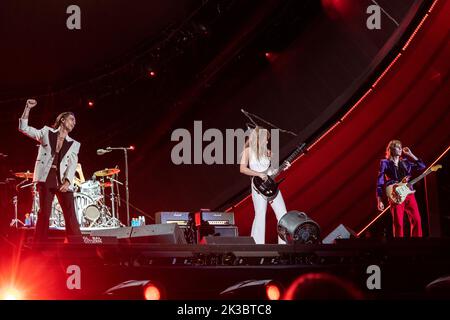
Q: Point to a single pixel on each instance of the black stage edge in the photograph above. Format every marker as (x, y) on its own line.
(192, 272)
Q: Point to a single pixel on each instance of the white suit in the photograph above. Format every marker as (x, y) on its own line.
(47, 137)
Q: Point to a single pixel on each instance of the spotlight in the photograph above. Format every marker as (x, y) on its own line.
(273, 292)
(270, 56)
(11, 293)
(254, 289)
(152, 292)
(322, 286)
(439, 288)
(137, 290)
(297, 227)
(151, 73)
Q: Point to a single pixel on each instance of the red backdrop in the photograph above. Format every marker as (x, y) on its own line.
(335, 181)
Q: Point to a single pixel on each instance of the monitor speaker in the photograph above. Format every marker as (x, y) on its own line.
(227, 240)
(167, 233)
(341, 232)
(122, 234)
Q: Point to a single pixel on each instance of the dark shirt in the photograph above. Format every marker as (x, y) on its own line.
(389, 173)
(56, 160)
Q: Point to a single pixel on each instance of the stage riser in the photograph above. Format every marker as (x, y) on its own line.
(202, 271)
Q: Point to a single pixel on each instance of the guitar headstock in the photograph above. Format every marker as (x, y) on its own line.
(436, 167)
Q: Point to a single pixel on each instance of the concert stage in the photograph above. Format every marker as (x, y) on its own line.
(190, 272)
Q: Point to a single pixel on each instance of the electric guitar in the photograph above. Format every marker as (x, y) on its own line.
(398, 192)
(269, 188)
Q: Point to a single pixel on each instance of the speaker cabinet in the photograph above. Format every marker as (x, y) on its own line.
(167, 233)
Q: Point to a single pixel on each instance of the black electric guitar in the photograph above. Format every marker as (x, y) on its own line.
(269, 188)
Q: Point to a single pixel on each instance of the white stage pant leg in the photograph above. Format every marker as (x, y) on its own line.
(279, 207)
(259, 223)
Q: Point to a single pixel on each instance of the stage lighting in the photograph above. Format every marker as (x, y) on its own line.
(296, 227)
(439, 288)
(322, 286)
(11, 294)
(152, 292)
(273, 292)
(254, 289)
(136, 290)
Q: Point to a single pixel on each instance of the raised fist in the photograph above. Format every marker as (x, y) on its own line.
(31, 103)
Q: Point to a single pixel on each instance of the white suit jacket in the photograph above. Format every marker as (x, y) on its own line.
(47, 137)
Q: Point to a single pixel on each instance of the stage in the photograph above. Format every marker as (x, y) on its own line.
(190, 272)
(161, 130)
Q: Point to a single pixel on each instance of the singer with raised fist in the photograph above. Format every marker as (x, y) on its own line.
(54, 170)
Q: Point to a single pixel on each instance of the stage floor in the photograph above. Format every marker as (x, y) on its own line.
(192, 272)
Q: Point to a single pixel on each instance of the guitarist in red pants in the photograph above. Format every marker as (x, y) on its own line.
(392, 170)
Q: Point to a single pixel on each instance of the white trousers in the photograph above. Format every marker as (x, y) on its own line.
(259, 223)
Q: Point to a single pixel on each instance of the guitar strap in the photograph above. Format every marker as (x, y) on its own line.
(403, 170)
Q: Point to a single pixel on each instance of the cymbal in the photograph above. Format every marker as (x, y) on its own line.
(106, 172)
(25, 175)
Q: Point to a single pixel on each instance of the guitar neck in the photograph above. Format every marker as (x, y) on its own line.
(417, 179)
(291, 157)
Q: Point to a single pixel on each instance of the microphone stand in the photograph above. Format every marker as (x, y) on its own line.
(250, 115)
(127, 192)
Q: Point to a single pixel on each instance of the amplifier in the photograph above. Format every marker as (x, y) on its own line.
(180, 218)
(217, 218)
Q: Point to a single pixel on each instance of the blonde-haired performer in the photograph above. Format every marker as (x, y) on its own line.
(255, 162)
(54, 171)
(392, 170)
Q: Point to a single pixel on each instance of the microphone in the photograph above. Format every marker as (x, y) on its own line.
(101, 152)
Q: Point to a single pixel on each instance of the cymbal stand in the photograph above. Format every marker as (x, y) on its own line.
(35, 206)
(113, 199)
(127, 192)
(16, 220)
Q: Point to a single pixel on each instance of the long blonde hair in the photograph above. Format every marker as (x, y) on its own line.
(390, 147)
(258, 141)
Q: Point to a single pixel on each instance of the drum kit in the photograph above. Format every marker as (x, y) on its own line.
(90, 200)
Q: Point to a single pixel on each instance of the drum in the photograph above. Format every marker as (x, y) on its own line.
(82, 201)
(85, 210)
(91, 213)
(92, 189)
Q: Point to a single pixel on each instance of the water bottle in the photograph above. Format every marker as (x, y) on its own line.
(27, 220)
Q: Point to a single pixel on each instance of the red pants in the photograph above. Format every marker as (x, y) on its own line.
(412, 210)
